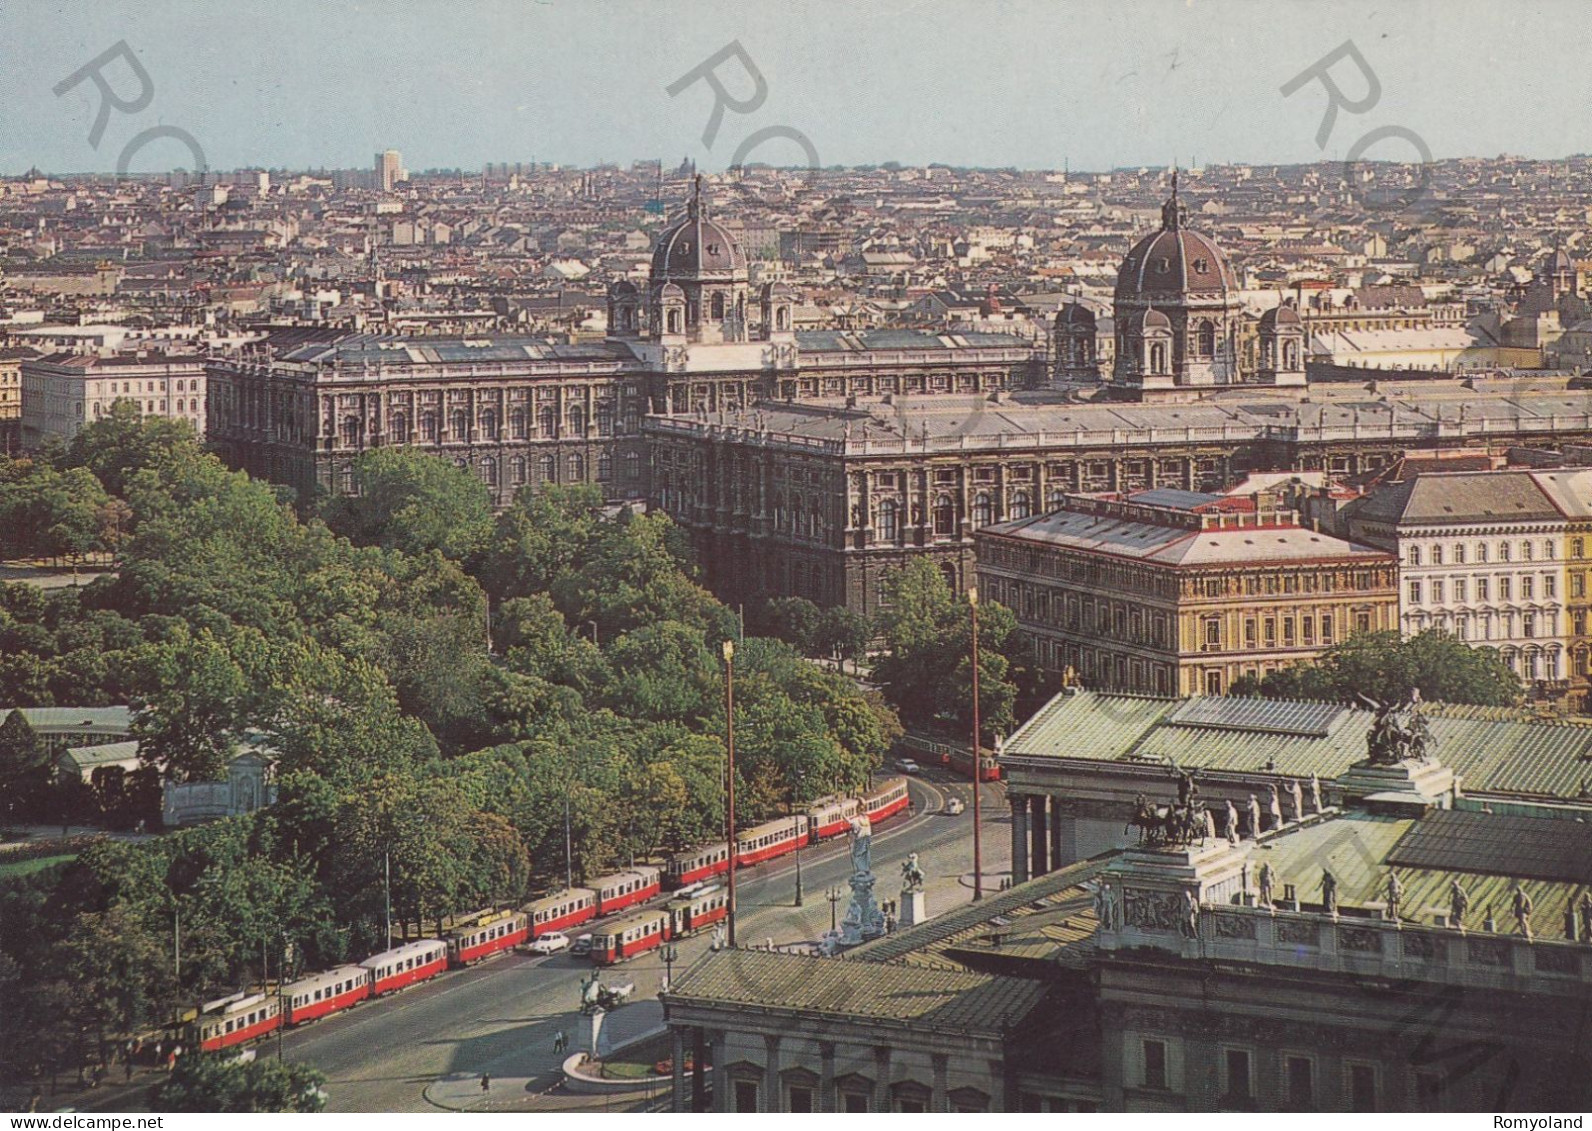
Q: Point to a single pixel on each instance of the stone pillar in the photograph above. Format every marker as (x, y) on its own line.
(939, 1098)
(826, 1078)
(881, 1078)
(677, 1052)
(722, 1100)
(1019, 805)
(1055, 834)
(1038, 837)
(699, 1069)
(772, 1101)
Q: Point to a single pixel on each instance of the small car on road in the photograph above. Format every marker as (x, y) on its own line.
(582, 945)
(955, 807)
(908, 766)
(550, 943)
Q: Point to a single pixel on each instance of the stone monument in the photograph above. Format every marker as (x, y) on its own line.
(914, 903)
(863, 919)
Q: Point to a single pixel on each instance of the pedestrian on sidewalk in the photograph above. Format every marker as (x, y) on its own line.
(486, 1082)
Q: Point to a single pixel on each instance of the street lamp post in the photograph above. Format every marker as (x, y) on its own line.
(670, 956)
(729, 778)
(834, 895)
(978, 855)
(801, 776)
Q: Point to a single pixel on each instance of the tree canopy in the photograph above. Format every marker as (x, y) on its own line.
(1385, 667)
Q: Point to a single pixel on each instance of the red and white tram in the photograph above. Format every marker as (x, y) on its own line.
(630, 936)
(885, 800)
(696, 864)
(405, 965)
(233, 1020)
(690, 914)
(319, 994)
(831, 816)
(622, 889)
(561, 910)
(491, 934)
(770, 839)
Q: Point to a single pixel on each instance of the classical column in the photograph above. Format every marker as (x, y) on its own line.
(1037, 836)
(722, 1100)
(826, 1079)
(1055, 833)
(881, 1078)
(939, 1099)
(677, 1051)
(772, 1100)
(699, 1069)
(1019, 805)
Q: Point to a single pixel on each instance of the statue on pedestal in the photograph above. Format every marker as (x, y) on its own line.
(912, 878)
(1522, 909)
(1296, 795)
(1329, 892)
(1265, 885)
(1458, 904)
(1395, 892)
(1274, 805)
(1254, 817)
(1232, 823)
(1315, 794)
(863, 919)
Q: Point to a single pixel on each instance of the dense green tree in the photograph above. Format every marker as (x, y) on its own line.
(123, 442)
(411, 501)
(24, 765)
(1386, 668)
(215, 1084)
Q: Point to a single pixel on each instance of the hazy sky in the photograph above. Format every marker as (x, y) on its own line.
(304, 83)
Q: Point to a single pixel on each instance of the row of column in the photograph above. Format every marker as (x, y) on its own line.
(1036, 836)
(693, 1097)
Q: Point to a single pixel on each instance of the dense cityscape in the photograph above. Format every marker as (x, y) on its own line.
(899, 638)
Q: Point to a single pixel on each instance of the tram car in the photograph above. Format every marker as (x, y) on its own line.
(961, 763)
(694, 865)
(490, 934)
(690, 914)
(769, 840)
(234, 1020)
(316, 995)
(560, 911)
(405, 965)
(885, 800)
(630, 936)
(624, 889)
(831, 816)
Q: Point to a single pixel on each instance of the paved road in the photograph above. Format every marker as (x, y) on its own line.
(415, 1051)
(500, 1017)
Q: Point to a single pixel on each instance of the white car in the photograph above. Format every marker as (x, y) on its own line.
(908, 766)
(550, 943)
(954, 807)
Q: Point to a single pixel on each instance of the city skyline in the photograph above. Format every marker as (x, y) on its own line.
(552, 83)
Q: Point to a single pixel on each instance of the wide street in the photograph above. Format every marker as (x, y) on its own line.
(411, 1052)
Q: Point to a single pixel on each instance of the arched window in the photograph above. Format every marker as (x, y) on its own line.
(632, 465)
(1020, 507)
(461, 425)
(428, 427)
(517, 423)
(400, 428)
(1158, 358)
(350, 431)
(1459, 553)
(605, 420)
(1525, 551)
(1057, 499)
(944, 517)
(983, 512)
(782, 322)
(1503, 551)
(549, 469)
(1415, 555)
(889, 523)
(1481, 551)
(577, 467)
(674, 320)
(1290, 355)
(489, 424)
(517, 470)
(718, 306)
(489, 471)
(549, 419)
(577, 421)
(605, 467)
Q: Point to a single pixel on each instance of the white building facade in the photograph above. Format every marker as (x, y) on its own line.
(62, 392)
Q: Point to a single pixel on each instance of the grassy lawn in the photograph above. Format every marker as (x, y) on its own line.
(28, 867)
(636, 1063)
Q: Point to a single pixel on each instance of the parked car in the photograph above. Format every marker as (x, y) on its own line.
(955, 807)
(581, 945)
(908, 766)
(550, 943)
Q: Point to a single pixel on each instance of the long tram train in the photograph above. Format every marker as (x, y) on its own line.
(247, 1015)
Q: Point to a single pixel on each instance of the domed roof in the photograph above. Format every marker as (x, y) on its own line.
(1175, 261)
(1559, 261)
(1075, 314)
(1281, 315)
(1151, 319)
(696, 247)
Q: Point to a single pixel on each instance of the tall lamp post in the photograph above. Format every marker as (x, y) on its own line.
(834, 895)
(978, 855)
(670, 956)
(729, 777)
